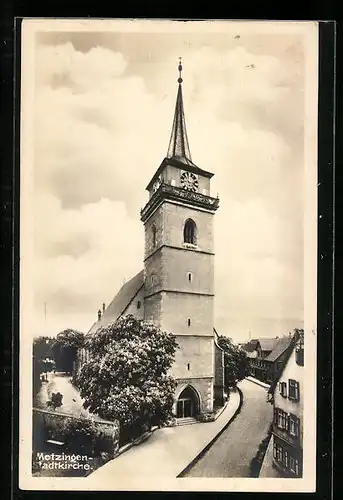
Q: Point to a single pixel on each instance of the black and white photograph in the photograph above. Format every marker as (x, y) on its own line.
(168, 255)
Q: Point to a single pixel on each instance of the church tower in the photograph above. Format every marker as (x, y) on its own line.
(179, 266)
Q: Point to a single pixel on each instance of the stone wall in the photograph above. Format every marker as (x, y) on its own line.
(194, 358)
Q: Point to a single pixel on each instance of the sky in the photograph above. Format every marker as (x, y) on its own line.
(103, 111)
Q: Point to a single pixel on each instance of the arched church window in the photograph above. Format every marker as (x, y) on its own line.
(153, 229)
(139, 304)
(189, 232)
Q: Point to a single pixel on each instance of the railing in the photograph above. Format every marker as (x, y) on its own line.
(173, 192)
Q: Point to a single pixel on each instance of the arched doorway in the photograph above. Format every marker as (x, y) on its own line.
(187, 403)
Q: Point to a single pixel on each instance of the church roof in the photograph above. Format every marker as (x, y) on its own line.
(178, 151)
(178, 144)
(120, 302)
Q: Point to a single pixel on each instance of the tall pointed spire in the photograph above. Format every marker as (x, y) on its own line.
(178, 144)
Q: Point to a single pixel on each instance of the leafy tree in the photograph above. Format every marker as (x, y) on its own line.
(236, 362)
(42, 347)
(126, 375)
(65, 348)
(42, 351)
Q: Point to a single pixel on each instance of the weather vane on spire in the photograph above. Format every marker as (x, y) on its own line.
(180, 70)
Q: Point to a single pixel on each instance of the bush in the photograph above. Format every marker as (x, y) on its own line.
(80, 435)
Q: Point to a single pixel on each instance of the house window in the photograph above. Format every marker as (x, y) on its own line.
(153, 230)
(139, 304)
(189, 322)
(281, 419)
(283, 389)
(293, 390)
(188, 366)
(280, 454)
(294, 465)
(189, 232)
(294, 424)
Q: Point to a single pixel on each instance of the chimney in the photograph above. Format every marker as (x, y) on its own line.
(103, 307)
(99, 315)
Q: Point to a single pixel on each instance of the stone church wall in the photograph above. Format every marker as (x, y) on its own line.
(177, 308)
(175, 217)
(194, 358)
(203, 386)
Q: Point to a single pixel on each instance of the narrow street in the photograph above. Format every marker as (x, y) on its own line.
(231, 454)
(59, 382)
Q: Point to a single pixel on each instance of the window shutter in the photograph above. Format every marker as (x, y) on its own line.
(275, 415)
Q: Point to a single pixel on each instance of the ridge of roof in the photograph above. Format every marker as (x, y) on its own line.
(279, 348)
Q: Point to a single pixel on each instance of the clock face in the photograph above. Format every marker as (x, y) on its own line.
(157, 184)
(189, 181)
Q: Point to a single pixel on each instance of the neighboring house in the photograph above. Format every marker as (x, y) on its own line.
(274, 362)
(257, 351)
(176, 288)
(287, 395)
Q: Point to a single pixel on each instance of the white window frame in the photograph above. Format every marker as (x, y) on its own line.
(294, 465)
(293, 425)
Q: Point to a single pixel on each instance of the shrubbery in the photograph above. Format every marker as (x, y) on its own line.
(126, 376)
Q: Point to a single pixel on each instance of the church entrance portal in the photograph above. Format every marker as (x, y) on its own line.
(187, 404)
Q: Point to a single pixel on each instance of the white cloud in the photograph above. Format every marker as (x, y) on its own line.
(101, 132)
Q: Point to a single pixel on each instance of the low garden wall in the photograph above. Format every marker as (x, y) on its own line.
(75, 434)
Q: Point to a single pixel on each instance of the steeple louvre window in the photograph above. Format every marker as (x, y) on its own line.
(189, 232)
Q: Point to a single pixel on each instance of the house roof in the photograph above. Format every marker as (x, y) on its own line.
(293, 342)
(285, 361)
(250, 346)
(280, 347)
(268, 344)
(120, 302)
